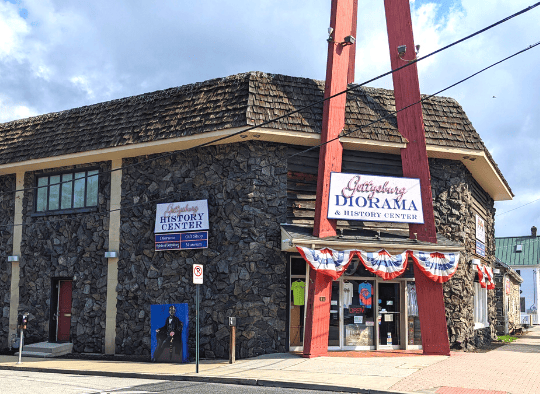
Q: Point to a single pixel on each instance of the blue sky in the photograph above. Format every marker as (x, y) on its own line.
(61, 54)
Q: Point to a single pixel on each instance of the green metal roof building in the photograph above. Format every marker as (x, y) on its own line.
(519, 252)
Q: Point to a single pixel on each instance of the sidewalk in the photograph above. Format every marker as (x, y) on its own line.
(513, 368)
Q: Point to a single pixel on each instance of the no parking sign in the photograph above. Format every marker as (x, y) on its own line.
(198, 274)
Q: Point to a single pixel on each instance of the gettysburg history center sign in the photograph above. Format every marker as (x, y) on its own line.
(182, 225)
(374, 198)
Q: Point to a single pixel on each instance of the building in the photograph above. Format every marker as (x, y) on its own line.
(117, 160)
(508, 299)
(523, 254)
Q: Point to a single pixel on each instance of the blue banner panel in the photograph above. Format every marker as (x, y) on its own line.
(177, 241)
(169, 327)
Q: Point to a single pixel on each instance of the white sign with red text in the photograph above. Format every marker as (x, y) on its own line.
(374, 198)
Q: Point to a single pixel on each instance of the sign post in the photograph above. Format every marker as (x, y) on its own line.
(197, 280)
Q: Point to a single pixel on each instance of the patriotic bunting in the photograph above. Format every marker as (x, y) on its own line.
(331, 262)
(383, 264)
(485, 276)
(439, 267)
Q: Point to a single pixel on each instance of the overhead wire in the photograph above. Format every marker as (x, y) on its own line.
(317, 102)
(130, 206)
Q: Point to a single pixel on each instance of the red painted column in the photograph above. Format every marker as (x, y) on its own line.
(339, 71)
(415, 165)
(317, 315)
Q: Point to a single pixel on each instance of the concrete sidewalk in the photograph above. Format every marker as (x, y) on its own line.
(514, 368)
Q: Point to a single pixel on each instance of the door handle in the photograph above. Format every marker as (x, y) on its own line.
(67, 314)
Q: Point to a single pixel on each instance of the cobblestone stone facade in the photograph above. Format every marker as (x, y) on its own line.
(455, 217)
(245, 271)
(66, 246)
(7, 184)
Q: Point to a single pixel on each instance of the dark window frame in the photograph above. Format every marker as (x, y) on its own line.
(61, 211)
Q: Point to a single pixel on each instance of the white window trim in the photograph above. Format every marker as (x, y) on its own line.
(480, 307)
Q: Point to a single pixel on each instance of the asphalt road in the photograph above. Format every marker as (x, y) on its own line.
(23, 382)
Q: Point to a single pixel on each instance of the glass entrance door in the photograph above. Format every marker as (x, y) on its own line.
(333, 334)
(389, 314)
(358, 314)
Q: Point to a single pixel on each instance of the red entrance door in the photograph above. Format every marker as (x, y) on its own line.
(64, 310)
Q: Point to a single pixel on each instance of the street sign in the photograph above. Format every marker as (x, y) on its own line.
(198, 274)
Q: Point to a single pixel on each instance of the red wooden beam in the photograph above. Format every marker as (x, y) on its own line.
(415, 165)
(338, 70)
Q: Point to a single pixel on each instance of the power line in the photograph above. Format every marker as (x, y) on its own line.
(378, 120)
(304, 107)
(521, 206)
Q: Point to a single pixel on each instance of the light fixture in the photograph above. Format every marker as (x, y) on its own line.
(13, 258)
(256, 136)
(402, 49)
(349, 40)
(475, 262)
(330, 31)
(496, 271)
(243, 136)
(111, 255)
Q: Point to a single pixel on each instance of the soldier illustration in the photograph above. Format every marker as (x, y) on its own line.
(169, 338)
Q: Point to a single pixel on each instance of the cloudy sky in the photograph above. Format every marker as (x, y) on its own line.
(61, 54)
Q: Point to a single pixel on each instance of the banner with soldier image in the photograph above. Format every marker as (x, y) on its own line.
(169, 333)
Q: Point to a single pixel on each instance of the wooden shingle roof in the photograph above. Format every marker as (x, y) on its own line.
(239, 100)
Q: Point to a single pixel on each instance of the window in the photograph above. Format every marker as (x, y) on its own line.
(480, 307)
(73, 190)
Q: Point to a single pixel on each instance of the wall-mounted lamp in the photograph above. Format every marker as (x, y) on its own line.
(349, 40)
(402, 49)
(330, 31)
(496, 271)
(475, 262)
(13, 258)
(111, 255)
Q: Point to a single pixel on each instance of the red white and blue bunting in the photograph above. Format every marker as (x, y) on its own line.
(439, 267)
(485, 276)
(331, 262)
(383, 264)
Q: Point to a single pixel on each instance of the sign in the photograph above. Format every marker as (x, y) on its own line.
(507, 286)
(480, 249)
(181, 216)
(178, 241)
(374, 198)
(480, 229)
(169, 332)
(198, 274)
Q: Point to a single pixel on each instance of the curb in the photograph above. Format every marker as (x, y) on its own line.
(207, 379)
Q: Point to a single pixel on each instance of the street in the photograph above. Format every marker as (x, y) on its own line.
(24, 382)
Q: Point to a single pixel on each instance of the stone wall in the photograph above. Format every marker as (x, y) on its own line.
(70, 246)
(244, 270)
(455, 218)
(507, 305)
(7, 184)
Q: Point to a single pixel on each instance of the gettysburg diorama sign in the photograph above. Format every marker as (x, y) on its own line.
(182, 225)
(374, 198)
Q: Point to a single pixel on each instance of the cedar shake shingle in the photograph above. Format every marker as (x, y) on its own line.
(239, 100)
